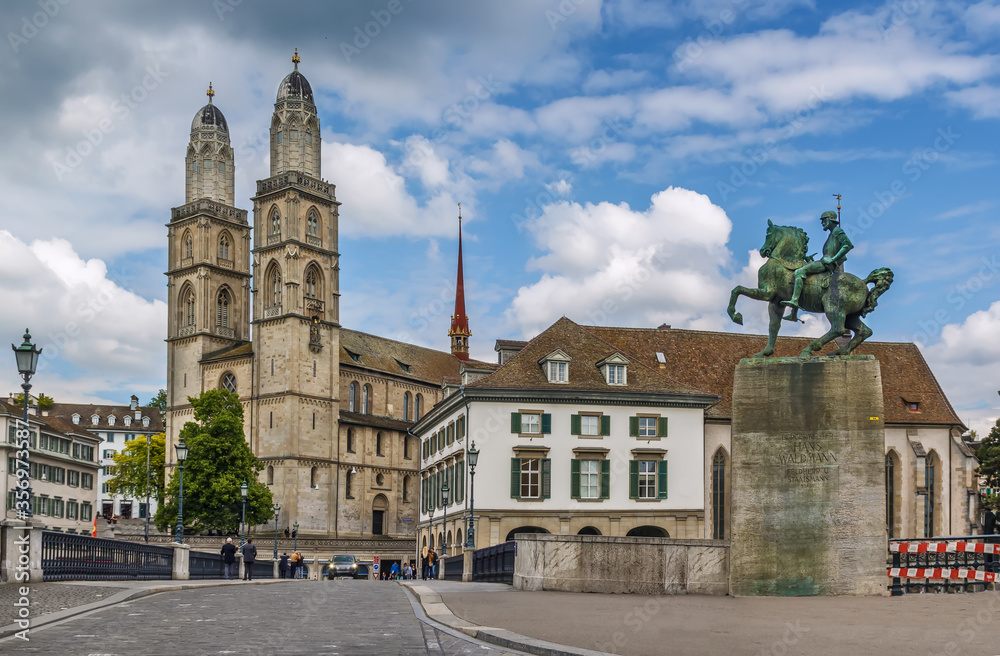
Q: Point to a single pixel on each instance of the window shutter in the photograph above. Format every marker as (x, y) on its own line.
(574, 479)
(451, 433)
(605, 479)
(661, 429)
(515, 422)
(461, 480)
(633, 426)
(574, 424)
(515, 472)
(633, 479)
(546, 477)
(606, 425)
(661, 479)
(546, 424)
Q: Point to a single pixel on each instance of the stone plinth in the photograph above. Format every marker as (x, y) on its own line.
(808, 478)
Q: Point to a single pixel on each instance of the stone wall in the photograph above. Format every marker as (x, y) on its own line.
(598, 563)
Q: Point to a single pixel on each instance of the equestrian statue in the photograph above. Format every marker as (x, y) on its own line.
(791, 278)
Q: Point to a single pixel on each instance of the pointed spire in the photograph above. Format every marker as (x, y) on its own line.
(460, 332)
(296, 59)
(210, 93)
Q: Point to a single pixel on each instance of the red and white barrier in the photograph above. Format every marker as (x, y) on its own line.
(944, 547)
(941, 573)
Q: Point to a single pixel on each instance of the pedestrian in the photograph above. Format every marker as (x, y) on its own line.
(286, 532)
(423, 563)
(249, 558)
(432, 561)
(406, 571)
(394, 572)
(228, 552)
(296, 558)
(283, 566)
(300, 573)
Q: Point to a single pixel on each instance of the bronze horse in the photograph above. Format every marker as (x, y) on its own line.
(843, 297)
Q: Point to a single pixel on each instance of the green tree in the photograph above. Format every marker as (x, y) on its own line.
(989, 463)
(130, 468)
(160, 401)
(218, 462)
(44, 402)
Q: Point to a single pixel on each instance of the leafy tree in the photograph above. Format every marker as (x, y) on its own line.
(130, 468)
(44, 402)
(218, 462)
(989, 463)
(160, 401)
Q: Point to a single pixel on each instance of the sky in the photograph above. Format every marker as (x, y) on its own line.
(617, 162)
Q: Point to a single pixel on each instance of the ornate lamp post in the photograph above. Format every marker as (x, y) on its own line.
(243, 493)
(444, 524)
(182, 454)
(27, 363)
(277, 509)
(473, 456)
(295, 536)
(148, 446)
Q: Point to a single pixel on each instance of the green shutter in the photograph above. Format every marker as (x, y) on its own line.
(605, 479)
(546, 477)
(661, 429)
(574, 478)
(515, 471)
(451, 433)
(605, 425)
(546, 424)
(461, 480)
(633, 426)
(574, 424)
(661, 479)
(633, 478)
(515, 422)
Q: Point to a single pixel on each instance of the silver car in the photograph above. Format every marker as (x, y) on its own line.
(343, 566)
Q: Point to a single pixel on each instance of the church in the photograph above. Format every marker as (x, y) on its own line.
(326, 409)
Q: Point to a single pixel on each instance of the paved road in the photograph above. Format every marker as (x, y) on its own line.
(327, 617)
(50, 598)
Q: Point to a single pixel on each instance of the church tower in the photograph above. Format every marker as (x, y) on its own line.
(208, 267)
(296, 296)
(459, 331)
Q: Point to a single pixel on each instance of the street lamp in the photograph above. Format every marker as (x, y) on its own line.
(243, 493)
(182, 454)
(148, 443)
(276, 509)
(444, 523)
(473, 456)
(295, 536)
(27, 363)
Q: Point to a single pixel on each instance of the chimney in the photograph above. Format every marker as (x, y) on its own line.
(135, 403)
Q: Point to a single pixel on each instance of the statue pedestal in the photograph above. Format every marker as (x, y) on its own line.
(808, 478)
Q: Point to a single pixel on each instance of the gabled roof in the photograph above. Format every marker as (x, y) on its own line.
(66, 411)
(587, 349)
(708, 360)
(54, 424)
(385, 355)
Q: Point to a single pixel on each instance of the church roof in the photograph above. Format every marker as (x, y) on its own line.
(359, 419)
(210, 116)
(295, 85)
(384, 355)
(707, 360)
(238, 351)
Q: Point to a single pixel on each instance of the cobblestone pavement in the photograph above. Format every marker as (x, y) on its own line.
(312, 617)
(50, 597)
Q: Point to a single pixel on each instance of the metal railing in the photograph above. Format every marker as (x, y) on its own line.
(956, 552)
(67, 557)
(205, 565)
(263, 569)
(495, 563)
(454, 566)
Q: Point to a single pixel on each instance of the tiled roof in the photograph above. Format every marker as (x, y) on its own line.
(240, 350)
(388, 356)
(53, 423)
(509, 343)
(376, 421)
(708, 360)
(586, 349)
(86, 411)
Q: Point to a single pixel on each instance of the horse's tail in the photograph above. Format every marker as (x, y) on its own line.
(881, 278)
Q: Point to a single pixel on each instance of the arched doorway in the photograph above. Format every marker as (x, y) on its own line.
(647, 532)
(379, 507)
(524, 529)
(588, 530)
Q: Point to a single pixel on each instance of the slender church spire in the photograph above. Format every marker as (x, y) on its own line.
(460, 332)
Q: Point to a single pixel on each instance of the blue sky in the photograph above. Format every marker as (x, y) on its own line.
(617, 162)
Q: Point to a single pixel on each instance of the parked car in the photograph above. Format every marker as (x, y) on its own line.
(344, 566)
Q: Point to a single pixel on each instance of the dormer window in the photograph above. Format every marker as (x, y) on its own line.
(402, 365)
(354, 356)
(615, 369)
(913, 406)
(95, 419)
(556, 366)
(76, 418)
(145, 421)
(127, 420)
(111, 420)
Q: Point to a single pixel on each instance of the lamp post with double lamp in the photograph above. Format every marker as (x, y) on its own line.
(243, 493)
(473, 456)
(295, 536)
(277, 509)
(27, 363)
(182, 454)
(445, 490)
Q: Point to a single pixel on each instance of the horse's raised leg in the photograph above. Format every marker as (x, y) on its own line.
(861, 333)
(749, 292)
(836, 320)
(775, 311)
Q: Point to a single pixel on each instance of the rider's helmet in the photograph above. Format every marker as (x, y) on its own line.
(830, 215)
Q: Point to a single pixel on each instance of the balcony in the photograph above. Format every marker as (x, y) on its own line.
(225, 264)
(210, 207)
(301, 180)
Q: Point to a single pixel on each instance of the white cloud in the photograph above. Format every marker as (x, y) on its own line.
(983, 100)
(560, 187)
(506, 161)
(983, 17)
(579, 118)
(602, 81)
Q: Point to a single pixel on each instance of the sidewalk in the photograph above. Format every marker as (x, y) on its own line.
(52, 601)
(639, 625)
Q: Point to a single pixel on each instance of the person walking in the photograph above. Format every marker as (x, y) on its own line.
(432, 560)
(394, 572)
(295, 563)
(228, 552)
(423, 563)
(249, 558)
(283, 566)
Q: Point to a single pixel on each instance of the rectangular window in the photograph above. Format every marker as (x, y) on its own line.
(222, 167)
(111, 438)
(616, 374)
(531, 478)
(87, 481)
(57, 507)
(72, 510)
(279, 137)
(557, 372)
(207, 165)
(647, 426)
(293, 135)
(648, 479)
(86, 511)
(590, 483)
(590, 425)
(309, 138)
(73, 478)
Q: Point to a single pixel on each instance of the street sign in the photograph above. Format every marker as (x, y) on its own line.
(375, 560)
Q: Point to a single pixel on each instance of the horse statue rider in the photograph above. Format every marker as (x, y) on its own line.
(790, 278)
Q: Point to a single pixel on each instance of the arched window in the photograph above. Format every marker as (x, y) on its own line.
(311, 276)
(224, 247)
(312, 478)
(366, 395)
(353, 398)
(272, 288)
(188, 245)
(222, 309)
(312, 225)
(892, 492)
(228, 382)
(406, 406)
(417, 403)
(187, 306)
(270, 475)
(719, 492)
(350, 440)
(378, 444)
(931, 515)
(407, 482)
(275, 222)
(348, 483)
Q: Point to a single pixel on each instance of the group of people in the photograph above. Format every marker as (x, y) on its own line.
(290, 567)
(228, 552)
(397, 573)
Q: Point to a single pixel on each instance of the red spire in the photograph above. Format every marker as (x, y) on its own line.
(460, 332)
